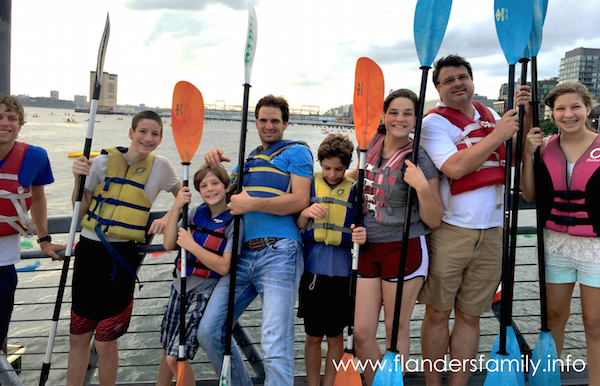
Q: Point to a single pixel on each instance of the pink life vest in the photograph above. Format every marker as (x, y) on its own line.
(574, 210)
(380, 181)
(15, 200)
(491, 171)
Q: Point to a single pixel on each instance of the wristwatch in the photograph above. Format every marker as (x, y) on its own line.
(47, 238)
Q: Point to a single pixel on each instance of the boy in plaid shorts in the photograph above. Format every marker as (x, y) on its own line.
(209, 243)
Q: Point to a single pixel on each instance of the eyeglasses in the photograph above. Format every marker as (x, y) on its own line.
(462, 78)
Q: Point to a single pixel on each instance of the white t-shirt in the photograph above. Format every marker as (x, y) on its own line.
(162, 177)
(475, 209)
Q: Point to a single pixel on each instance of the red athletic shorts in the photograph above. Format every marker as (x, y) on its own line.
(383, 259)
(106, 329)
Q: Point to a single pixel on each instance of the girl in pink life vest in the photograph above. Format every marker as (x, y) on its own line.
(570, 182)
(389, 172)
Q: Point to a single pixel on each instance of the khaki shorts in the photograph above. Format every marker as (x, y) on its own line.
(465, 269)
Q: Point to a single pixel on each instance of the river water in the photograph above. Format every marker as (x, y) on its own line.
(58, 137)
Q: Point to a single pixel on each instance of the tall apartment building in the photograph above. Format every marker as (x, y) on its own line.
(582, 65)
(80, 101)
(108, 91)
(54, 94)
(544, 88)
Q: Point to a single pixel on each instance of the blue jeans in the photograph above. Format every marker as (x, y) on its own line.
(273, 273)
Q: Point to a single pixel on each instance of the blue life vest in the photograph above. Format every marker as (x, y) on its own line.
(261, 177)
(210, 234)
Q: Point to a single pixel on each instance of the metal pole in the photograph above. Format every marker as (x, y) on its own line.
(5, 9)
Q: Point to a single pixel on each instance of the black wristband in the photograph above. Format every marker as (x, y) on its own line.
(47, 238)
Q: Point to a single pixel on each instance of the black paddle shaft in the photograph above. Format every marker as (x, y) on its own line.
(516, 187)
(537, 170)
(183, 283)
(236, 223)
(506, 301)
(358, 204)
(407, 214)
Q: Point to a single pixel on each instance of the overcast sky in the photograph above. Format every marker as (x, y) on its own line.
(306, 50)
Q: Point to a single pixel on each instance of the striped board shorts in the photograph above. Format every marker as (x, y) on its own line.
(106, 329)
(169, 334)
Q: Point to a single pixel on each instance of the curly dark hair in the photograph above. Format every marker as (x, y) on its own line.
(336, 145)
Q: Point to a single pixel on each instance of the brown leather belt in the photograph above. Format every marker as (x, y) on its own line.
(256, 244)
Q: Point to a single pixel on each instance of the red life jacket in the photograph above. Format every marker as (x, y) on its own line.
(210, 234)
(15, 200)
(380, 181)
(574, 210)
(492, 170)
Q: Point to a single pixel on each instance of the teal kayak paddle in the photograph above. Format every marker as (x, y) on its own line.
(75, 219)
(250, 50)
(431, 20)
(545, 350)
(514, 20)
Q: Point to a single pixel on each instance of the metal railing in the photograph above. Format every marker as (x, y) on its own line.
(140, 351)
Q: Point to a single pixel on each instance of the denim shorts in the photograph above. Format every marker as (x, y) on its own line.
(563, 275)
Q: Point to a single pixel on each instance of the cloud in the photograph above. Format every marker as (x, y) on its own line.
(183, 5)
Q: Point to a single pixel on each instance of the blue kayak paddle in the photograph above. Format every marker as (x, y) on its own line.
(514, 20)
(431, 19)
(545, 351)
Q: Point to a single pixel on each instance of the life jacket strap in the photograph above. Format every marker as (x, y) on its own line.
(329, 226)
(201, 229)
(123, 181)
(331, 200)
(114, 255)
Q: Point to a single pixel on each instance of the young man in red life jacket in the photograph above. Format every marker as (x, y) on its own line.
(465, 141)
(24, 170)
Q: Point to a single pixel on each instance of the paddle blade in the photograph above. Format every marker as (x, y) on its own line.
(505, 369)
(187, 119)
(250, 42)
(535, 39)
(389, 372)
(100, 60)
(431, 20)
(347, 374)
(181, 373)
(368, 100)
(544, 356)
(514, 20)
(225, 378)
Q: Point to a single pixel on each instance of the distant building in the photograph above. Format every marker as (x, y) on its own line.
(54, 94)
(80, 101)
(544, 88)
(108, 91)
(582, 65)
(340, 111)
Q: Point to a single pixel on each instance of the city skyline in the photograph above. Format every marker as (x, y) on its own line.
(306, 51)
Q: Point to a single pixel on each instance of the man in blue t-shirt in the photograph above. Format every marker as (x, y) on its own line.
(24, 170)
(277, 185)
